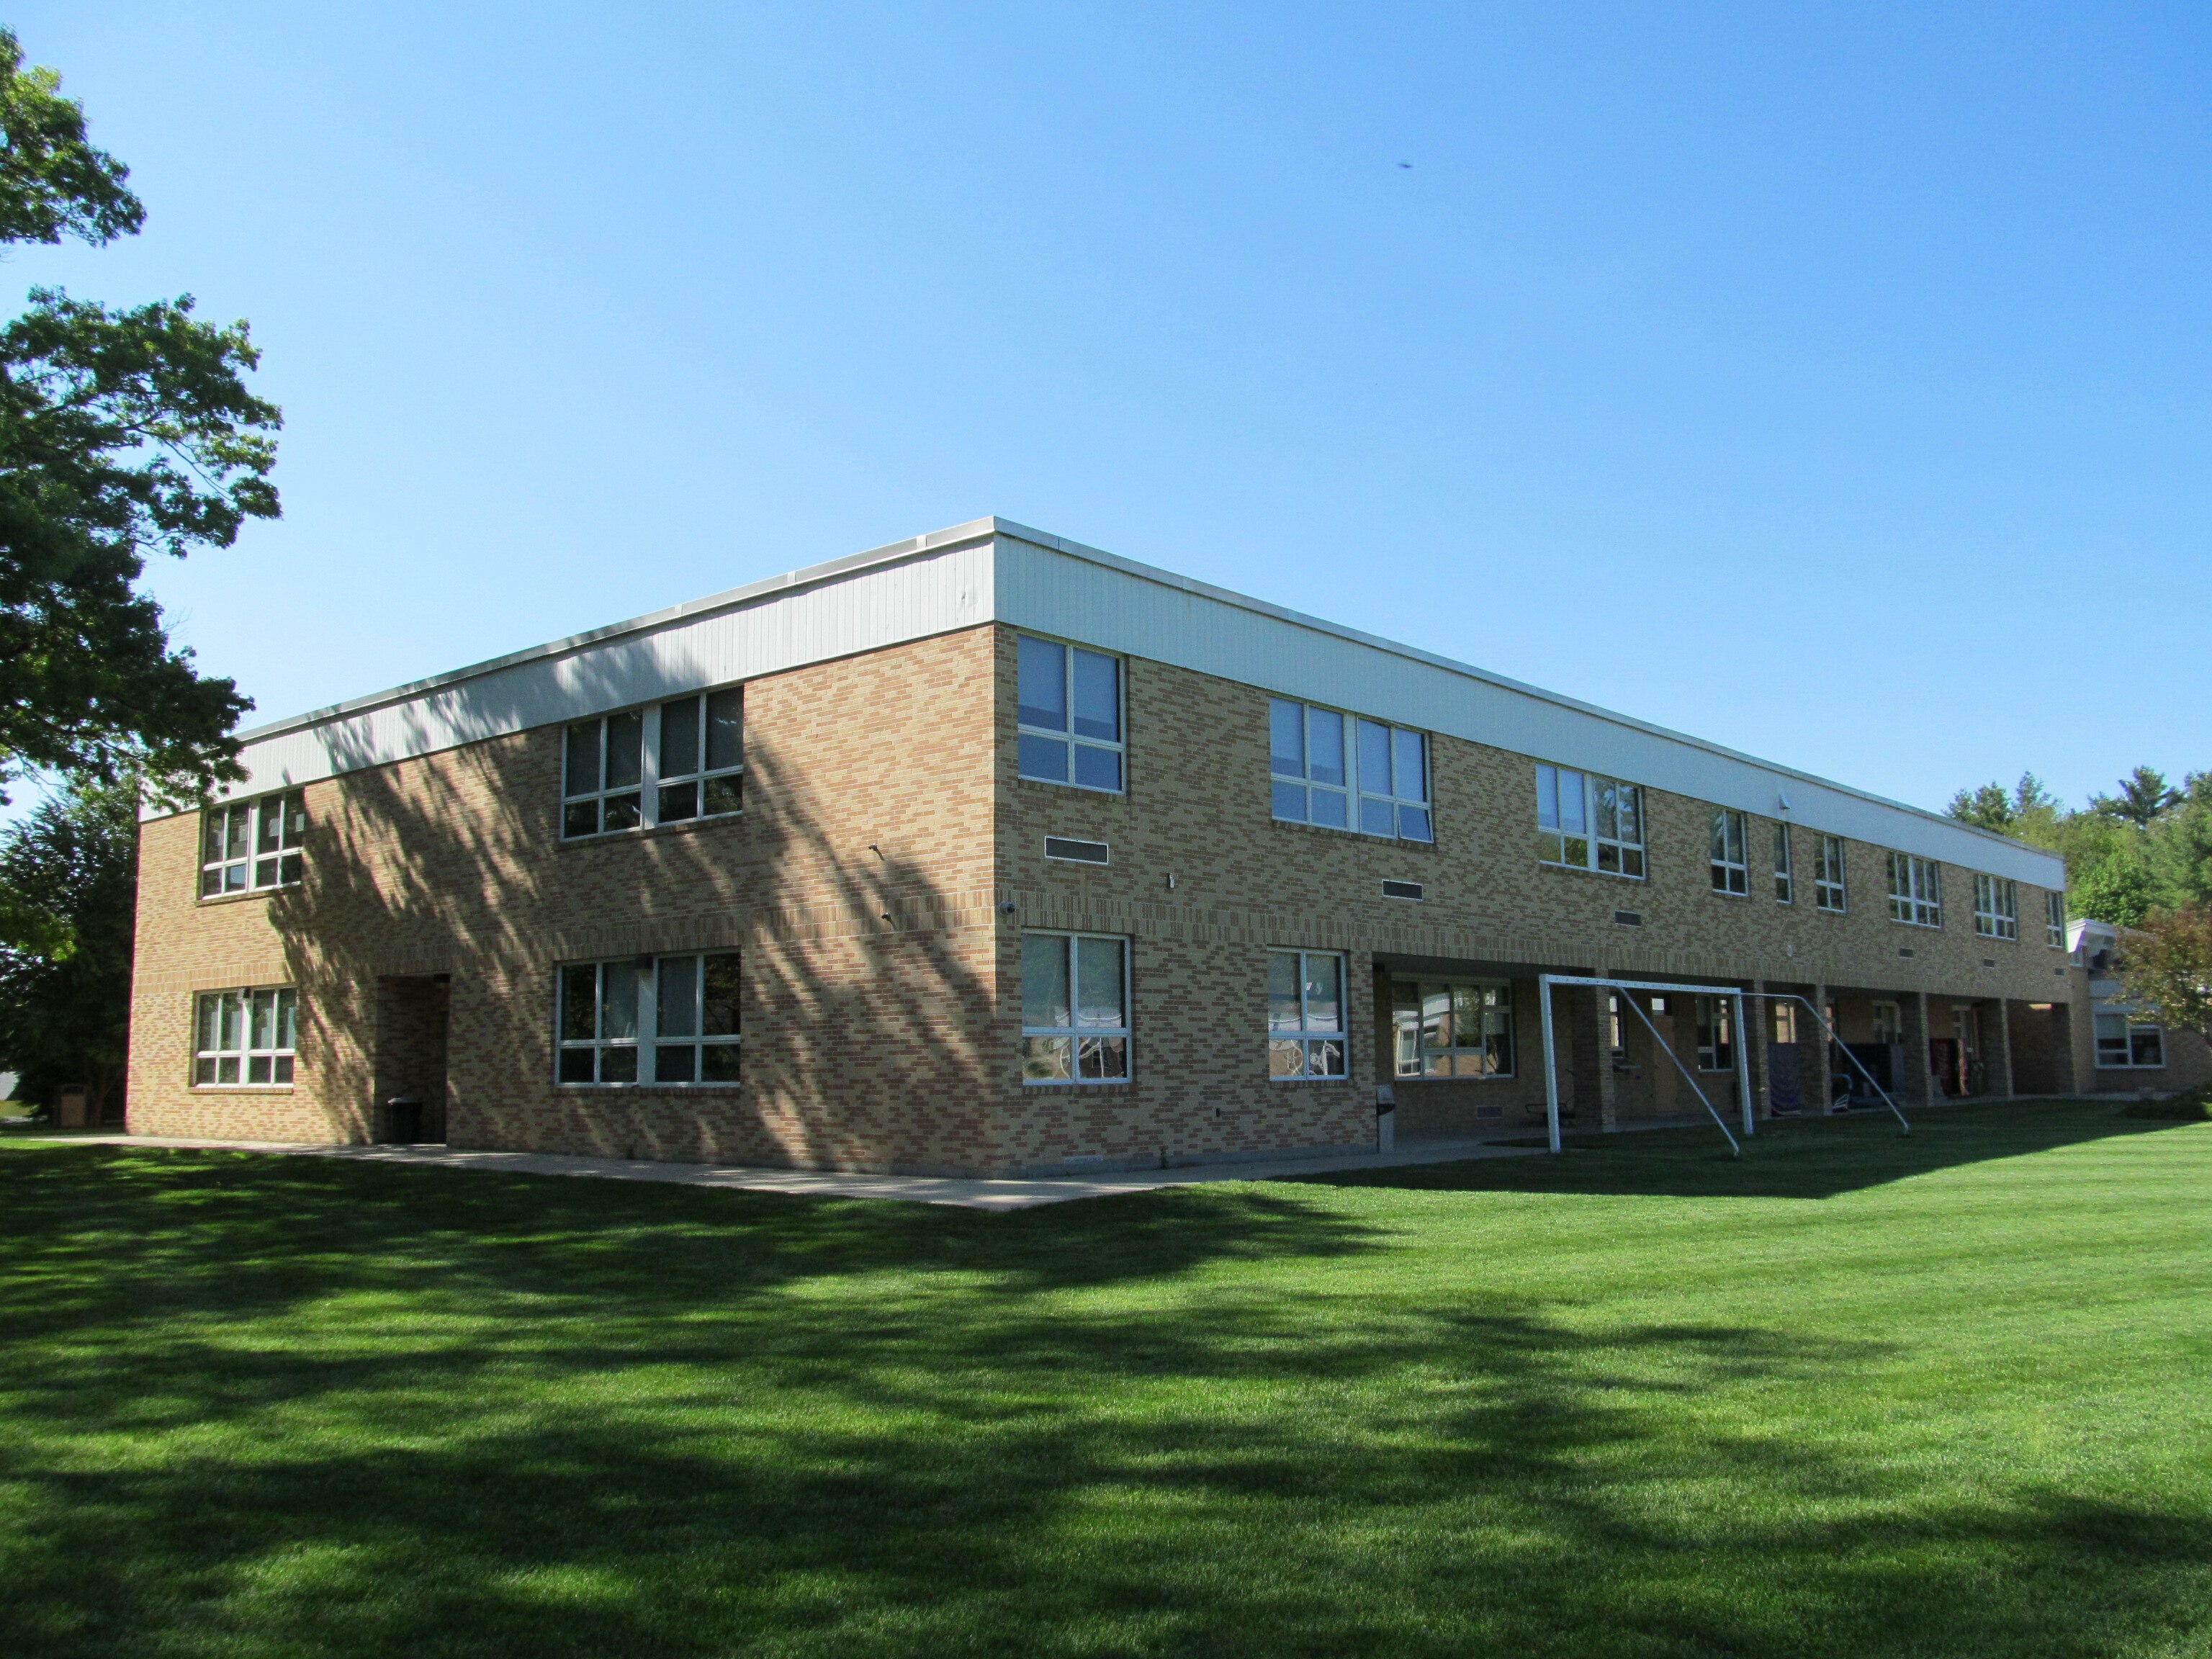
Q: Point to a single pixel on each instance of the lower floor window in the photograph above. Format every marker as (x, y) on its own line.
(1306, 1016)
(1075, 1008)
(1716, 1034)
(1455, 1028)
(2122, 1043)
(247, 1036)
(650, 1019)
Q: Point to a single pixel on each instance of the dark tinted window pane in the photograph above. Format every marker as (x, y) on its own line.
(618, 1065)
(678, 801)
(1098, 696)
(238, 825)
(718, 1005)
(580, 817)
(625, 748)
(679, 737)
(679, 997)
(211, 882)
(717, 1063)
(623, 812)
(1414, 824)
(726, 795)
(1043, 757)
(1044, 980)
(1098, 769)
(673, 1064)
(576, 1066)
(272, 817)
(1044, 692)
(211, 835)
(579, 1002)
(294, 865)
(725, 728)
(583, 778)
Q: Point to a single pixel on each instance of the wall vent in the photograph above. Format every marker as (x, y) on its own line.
(1905, 950)
(1989, 962)
(1075, 852)
(1628, 918)
(1404, 890)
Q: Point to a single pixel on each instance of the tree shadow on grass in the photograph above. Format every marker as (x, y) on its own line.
(1806, 1158)
(342, 1411)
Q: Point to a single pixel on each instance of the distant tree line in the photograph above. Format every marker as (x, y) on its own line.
(2140, 858)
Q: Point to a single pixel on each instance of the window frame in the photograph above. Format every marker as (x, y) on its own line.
(710, 782)
(2132, 1031)
(1555, 841)
(1785, 868)
(285, 860)
(1730, 829)
(1071, 742)
(1076, 1033)
(280, 1057)
(1996, 906)
(2054, 919)
(647, 788)
(1455, 1053)
(1832, 893)
(647, 1039)
(1306, 1036)
(1920, 903)
(1413, 816)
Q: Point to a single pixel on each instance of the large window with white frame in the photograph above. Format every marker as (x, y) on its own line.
(1829, 889)
(1916, 891)
(246, 1037)
(1069, 713)
(1730, 858)
(249, 845)
(1586, 822)
(669, 763)
(1345, 772)
(1453, 1028)
(2124, 1044)
(1996, 908)
(1307, 1019)
(1785, 884)
(668, 1020)
(2054, 920)
(1075, 1008)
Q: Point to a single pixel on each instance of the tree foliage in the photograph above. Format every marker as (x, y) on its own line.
(69, 879)
(2147, 846)
(2165, 968)
(122, 431)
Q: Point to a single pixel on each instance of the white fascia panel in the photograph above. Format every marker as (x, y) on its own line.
(1079, 593)
(782, 624)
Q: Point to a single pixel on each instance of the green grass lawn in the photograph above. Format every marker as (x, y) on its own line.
(1853, 1395)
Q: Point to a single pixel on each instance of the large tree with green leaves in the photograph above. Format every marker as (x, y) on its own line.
(122, 432)
(2165, 968)
(71, 870)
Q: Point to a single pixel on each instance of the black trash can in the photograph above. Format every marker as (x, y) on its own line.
(403, 1120)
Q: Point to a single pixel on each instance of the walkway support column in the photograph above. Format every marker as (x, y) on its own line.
(1916, 1084)
(1996, 1048)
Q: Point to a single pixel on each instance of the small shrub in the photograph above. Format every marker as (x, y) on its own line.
(2194, 1107)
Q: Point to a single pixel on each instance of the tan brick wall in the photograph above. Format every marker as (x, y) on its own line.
(884, 830)
(855, 882)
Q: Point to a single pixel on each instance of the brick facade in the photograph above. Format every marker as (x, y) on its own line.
(878, 885)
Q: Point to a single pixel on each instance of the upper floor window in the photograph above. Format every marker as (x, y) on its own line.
(248, 1037)
(1916, 891)
(2054, 920)
(1828, 891)
(1730, 861)
(1590, 823)
(1343, 772)
(670, 1019)
(1785, 890)
(1453, 1028)
(1307, 1019)
(673, 762)
(1070, 715)
(1996, 908)
(251, 844)
(1075, 1008)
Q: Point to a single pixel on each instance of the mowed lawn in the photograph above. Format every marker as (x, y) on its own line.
(1853, 1395)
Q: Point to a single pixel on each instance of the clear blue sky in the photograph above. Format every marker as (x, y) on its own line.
(1830, 382)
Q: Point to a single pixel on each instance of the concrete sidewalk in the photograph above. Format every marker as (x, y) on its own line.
(977, 1194)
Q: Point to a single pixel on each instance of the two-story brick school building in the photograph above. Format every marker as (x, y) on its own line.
(989, 852)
